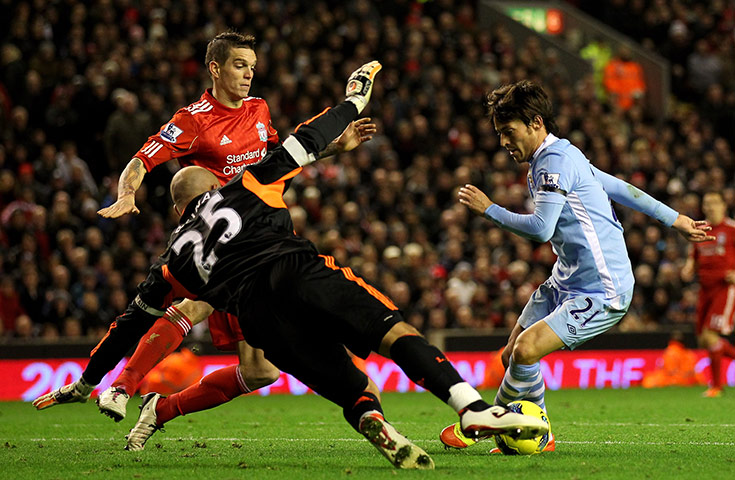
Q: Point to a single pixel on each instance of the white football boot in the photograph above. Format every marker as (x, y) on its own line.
(146, 425)
(395, 447)
(497, 420)
(112, 402)
(71, 393)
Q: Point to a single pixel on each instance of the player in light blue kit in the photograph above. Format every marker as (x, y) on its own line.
(591, 284)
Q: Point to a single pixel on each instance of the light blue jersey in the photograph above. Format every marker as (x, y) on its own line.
(574, 213)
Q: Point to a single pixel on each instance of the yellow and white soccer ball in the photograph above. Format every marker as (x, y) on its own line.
(510, 446)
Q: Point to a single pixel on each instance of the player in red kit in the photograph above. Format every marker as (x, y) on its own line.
(714, 263)
(225, 130)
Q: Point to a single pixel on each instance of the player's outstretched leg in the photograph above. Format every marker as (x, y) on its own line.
(427, 366)
(146, 425)
(162, 339)
(78, 391)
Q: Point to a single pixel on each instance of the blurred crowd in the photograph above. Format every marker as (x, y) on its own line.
(83, 84)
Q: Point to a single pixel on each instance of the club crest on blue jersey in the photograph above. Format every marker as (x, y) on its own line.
(262, 132)
(171, 132)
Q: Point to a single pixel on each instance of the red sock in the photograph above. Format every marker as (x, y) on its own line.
(715, 364)
(727, 348)
(162, 339)
(217, 388)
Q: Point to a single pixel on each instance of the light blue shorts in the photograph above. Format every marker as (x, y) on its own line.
(574, 317)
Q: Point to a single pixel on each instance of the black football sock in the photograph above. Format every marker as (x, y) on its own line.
(425, 365)
(366, 402)
(124, 334)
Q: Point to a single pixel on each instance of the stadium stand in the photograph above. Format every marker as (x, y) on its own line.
(82, 84)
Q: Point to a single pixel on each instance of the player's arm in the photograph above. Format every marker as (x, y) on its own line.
(175, 139)
(311, 137)
(130, 180)
(635, 198)
(538, 226)
(354, 135)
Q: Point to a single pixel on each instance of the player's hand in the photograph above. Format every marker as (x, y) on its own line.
(355, 134)
(122, 206)
(474, 198)
(693, 230)
(360, 84)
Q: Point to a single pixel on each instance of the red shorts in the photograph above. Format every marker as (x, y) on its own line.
(716, 309)
(225, 331)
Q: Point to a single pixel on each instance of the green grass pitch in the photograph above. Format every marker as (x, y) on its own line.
(668, 434)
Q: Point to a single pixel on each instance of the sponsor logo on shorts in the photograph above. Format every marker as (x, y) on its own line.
(572, 329)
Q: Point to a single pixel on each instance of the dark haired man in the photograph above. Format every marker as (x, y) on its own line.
(591, 285)
(235, 248)
(224, 131)
(714, 264)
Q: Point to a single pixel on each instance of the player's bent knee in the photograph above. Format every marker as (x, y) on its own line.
(195, 311)
(259, 375)
(400, 329)
(525, 353)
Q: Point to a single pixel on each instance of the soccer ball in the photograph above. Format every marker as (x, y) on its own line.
(510, 446)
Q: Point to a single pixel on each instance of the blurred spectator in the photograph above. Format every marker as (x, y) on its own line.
(72, 171)
(704, 66)
(461, 283)
(599, 54)
(623, 79)
(127, 129)
(10, 306)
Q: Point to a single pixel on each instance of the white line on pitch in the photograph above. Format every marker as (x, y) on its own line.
(632, 424)
(272, 439)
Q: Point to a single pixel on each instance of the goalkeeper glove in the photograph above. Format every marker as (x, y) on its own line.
(360, 84)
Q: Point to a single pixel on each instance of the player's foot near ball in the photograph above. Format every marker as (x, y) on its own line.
(452, 437)
(112, 402)
(395, 447)
(74, 392)
(498, 420)
(712, 392)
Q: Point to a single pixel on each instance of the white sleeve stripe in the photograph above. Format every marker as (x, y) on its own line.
(150, 147)
(298, 152)
(153, 152)
(588, 229)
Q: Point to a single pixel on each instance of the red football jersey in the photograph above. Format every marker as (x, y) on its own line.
(714, 259)
(211, 135)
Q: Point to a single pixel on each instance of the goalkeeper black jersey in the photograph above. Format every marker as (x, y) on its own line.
(226, 236)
